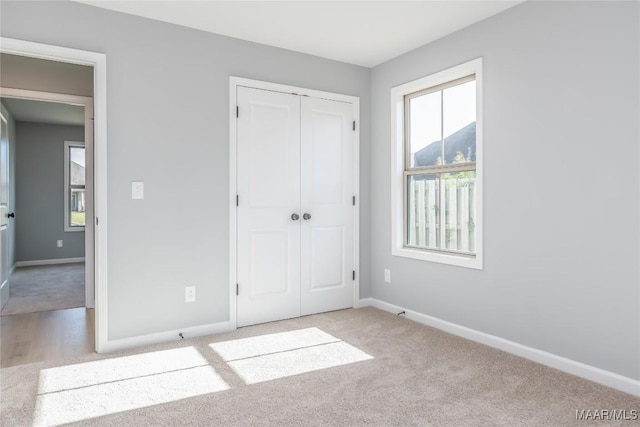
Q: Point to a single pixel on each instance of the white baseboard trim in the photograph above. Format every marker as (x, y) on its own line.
(579, 369)
(162, 337)
(48, 262)
(12, 269)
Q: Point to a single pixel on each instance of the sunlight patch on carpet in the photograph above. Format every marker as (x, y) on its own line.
(118, 368)
(273, 356)
(88, 390)
(271, 343)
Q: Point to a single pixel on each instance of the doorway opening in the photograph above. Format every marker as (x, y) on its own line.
(73, 139)
(51, 242)
(51, 181)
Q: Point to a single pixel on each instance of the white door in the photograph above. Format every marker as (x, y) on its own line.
(4, 210)
(268, 185)
(295, 214)
(327, 235)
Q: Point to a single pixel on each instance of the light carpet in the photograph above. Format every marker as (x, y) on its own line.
(44, 288)
(382, 370)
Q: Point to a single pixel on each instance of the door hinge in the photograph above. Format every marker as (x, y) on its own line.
(354, 275)
(237, 289)
(237, 200)
(96, 220)
(354, 200)
(237, 111)
(354, 125)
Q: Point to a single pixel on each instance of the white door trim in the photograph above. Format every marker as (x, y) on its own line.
(99, 63)
(234, 82)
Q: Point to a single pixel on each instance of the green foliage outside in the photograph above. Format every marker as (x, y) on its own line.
(77, 218)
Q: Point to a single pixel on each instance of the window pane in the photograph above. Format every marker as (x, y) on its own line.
(459, 210)
(459, 123)
(423, 205)
(77, 207)
(77, 182)
(435, 199)
(425, 130)
(76, 167)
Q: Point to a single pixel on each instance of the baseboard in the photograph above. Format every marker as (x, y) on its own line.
(162, 337)
(12, 269)
(591, 373)
(48, 262)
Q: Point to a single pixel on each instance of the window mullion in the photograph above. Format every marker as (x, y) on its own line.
(450, 168)
(442, 211)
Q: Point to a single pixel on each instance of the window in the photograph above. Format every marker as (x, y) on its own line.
(437, 165)
(74, 183)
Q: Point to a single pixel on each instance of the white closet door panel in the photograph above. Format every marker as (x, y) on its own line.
(327, 253)
(327, 247)
(269, 193)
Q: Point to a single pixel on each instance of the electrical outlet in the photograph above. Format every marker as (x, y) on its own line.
(189, 293)
(59, 243)
(137, 190)
(387, 275)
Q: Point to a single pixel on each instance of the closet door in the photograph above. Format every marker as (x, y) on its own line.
(268, 182)
(327, 234)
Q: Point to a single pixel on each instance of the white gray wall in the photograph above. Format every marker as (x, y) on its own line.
(168, 125)
(561, 105)
(40, 191)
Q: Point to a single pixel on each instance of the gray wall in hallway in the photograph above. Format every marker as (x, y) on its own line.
(168, 125)
(40, 190)
(21, 72)
(561, 183)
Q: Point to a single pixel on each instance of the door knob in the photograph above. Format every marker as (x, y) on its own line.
(306, 216)
(11, 215)
(295, 217)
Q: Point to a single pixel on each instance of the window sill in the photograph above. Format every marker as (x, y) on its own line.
(440, 257)
(73, 229)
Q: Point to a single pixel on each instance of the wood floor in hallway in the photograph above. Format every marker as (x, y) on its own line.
(46, 335)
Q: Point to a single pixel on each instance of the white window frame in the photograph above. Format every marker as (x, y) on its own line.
(67, 202)
(398, 240)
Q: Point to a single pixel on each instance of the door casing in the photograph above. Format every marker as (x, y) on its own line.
(99, 63)
(234, 83)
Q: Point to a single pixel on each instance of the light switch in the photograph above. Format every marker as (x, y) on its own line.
(137, 190)
(387, 275)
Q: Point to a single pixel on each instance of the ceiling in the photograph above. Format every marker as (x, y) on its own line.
(365, 33)
(25, 110)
